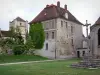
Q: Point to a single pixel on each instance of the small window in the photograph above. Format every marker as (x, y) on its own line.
(66, 25)
(98, 37)
(47, 25)
(20, 24)
(46, 46)
(53, 24)
(83, 53)
(61, 23)
(67, 36)
(71, 29)
(72, 42)
(47, 35)
(52, 35)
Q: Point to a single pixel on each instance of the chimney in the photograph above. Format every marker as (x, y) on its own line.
(47, 5)
(65, 7)
(58, 4)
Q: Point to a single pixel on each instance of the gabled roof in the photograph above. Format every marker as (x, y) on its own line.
(98, 21)
(95, 24)
(53, 11)
(20, 19)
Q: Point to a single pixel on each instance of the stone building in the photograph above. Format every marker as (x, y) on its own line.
(21, 24)
(95, 38)
(63, 32)
(5, 34)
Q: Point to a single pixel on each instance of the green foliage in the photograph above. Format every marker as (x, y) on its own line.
(9, 42)
(18, 38)
(12, 32)
(16, 35)
(6, 44)
(37, 35)
(20, 58)
(13, 42)
(19, 49)
(29, 44)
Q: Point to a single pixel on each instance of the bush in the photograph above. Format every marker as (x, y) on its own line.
(19, 49)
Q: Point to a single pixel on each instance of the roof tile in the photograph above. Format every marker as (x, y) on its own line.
(53, 11)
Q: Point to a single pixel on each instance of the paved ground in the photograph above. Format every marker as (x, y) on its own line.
(26, 62)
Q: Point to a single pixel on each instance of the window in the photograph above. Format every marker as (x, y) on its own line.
(72, 29)
(47, 25)
(83, 53)
(67, 36)
(66, 24)
(47, 35)
(52, 24)
(72, 42)
(20, 24)
(46, 46)
(98, 37)
(61, 23)
(52, 35)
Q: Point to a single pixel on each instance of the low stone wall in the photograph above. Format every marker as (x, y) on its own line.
(87, 63)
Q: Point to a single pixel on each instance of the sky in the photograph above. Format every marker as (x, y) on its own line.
(28, 9)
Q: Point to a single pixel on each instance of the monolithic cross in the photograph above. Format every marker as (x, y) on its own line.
(87, 27)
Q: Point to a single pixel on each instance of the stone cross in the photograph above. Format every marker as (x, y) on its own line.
(87, 27)
(87, 24)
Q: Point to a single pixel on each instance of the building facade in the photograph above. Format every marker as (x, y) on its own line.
(95, 38)
(21, 24)
(63, 32)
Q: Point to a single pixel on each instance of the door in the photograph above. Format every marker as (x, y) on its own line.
(78, 54)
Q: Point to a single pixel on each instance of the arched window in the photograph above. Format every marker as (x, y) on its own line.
(99, 36)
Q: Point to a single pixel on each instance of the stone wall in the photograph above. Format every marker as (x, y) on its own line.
(94, 40)
(65, 41)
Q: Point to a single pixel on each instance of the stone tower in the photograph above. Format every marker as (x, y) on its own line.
(21, 24)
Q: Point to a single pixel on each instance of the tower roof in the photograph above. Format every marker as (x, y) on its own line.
(20, 19)
(52, 12)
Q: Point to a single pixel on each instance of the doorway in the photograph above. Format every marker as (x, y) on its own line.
(78, 54)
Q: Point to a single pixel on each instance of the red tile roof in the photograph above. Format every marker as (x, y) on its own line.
(53, 11)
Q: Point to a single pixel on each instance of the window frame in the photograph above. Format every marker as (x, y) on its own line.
(46, 46)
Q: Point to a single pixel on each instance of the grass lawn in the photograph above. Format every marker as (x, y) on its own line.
(46, 68)
(20, 58)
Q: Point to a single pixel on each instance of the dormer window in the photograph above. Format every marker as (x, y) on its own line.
(66, 15)
(45, 14)
(20, 24)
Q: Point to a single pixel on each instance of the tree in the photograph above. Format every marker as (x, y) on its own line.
(29, 44)
(36, 32)
(18, 37)
(6, 44)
